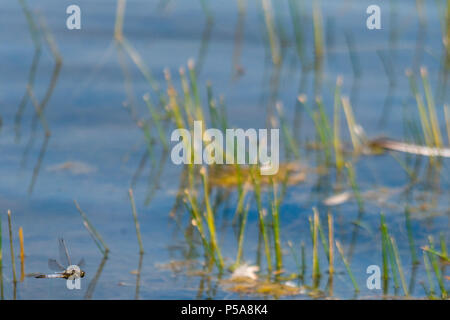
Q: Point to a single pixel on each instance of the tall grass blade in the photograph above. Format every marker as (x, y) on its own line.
(347, 266)
(352, 178)
(13, 257)
(136, 222)
(276, 230)
(336, 134)
(427, 265)
(316, 267)
(431, 108)
(210, 221)
(412, 245)
(447, 121)
(92, 231)
(436, 269)
(156, 120)
(22, 255)
(261, 214)
(399, 266)
(330, 245)
(241, 236)
(351, 123)
(272, 34)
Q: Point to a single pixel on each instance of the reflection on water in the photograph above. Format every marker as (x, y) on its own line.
(109, 106)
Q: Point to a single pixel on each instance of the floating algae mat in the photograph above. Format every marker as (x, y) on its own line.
(112, 137)
(231, 176)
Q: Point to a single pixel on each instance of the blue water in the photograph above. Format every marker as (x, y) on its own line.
(89, 124)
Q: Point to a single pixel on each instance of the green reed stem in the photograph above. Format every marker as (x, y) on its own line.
(303, 259)
(120, 13)
(443, 246)
(426, 128)
(136, 222)
(242, 192)
(412, 245)
(347, 266)
(173, 103)
(276, 230)
(336, 134)
(356, 66)
(447, 121)
(389, 249)
(409, 171)
(241, 236)
(223, 113)
(431, 108)
(325, 123)
(139, 62)
(322, 235)
(262, 227)
(210, 220)
(354, 185)
(318, 35)
(213, 112)
(194, 88)
(298, 30)
(316, 266)
(330, 245)
(436, 253)
(13, 257)
(320, 125)
(436, 269)
(22, 255)
(426, 262)
(197, 222)
(351, 123)
(272, 34)
(384, 249)
(156, 120)
(427, 131)
(94, 233)
(399, 266)
(206, 10)
(188, 103)
(38, 110)
(287, 132)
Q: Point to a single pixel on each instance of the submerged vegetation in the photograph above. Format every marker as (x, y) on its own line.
(277, 235)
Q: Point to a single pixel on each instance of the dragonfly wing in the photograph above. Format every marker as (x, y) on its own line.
(54, 265)
(81, 263)
(64, 253)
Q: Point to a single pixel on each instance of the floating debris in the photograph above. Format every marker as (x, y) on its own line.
(245, 271)
(244, 280)
(252, 287)
(384, 143)
(74, 167)
(338, 199)
(227, 175)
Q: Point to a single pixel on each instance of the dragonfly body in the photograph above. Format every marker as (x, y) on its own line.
(63, 275)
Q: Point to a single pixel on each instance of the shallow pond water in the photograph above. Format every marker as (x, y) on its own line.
(96, 147)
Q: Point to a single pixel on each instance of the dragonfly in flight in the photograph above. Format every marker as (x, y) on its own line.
(64, 268)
